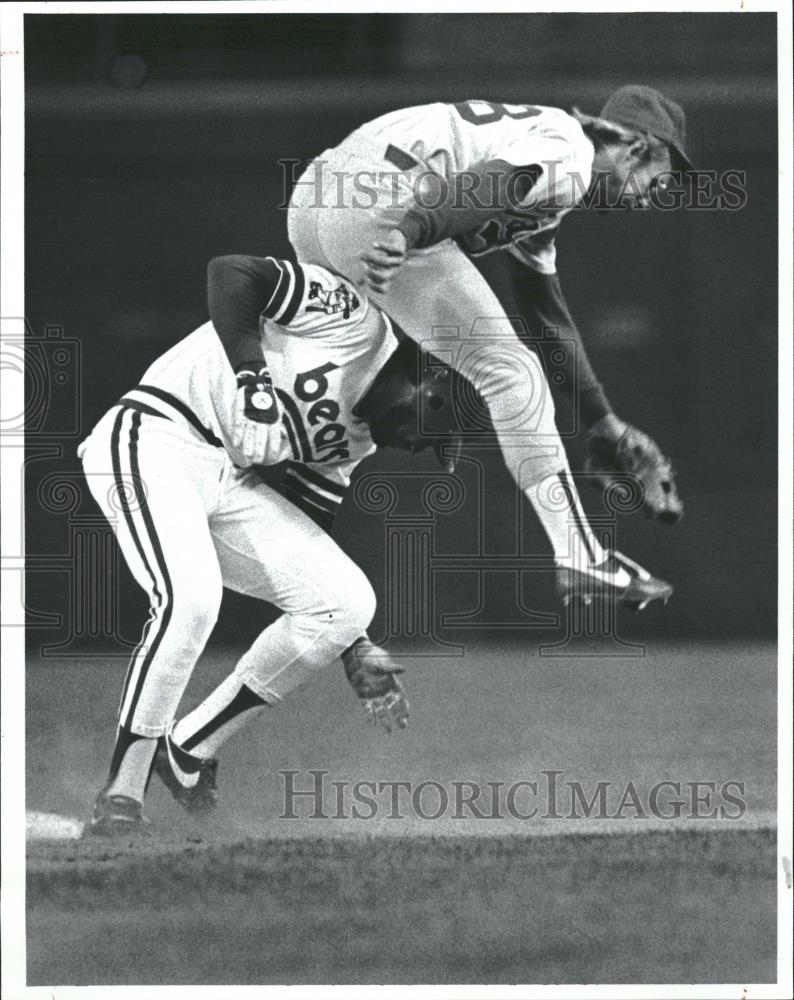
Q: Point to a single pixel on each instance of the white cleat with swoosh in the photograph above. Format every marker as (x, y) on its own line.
(617, 579)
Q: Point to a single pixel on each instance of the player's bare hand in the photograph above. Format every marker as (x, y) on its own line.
(382, 261)
(372, 676)
(390, 710)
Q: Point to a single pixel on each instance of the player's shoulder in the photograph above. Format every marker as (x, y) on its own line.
(559, 120)
(563, 141)
(553, 125)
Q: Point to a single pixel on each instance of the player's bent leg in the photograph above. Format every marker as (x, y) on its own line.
(439, 288)
(137, 474)
(305, 640)
(442, 288)
(268, 548)
(513, 385)
(285, 655)
(153, 689)
(157, 678)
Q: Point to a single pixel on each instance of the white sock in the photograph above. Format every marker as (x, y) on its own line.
(227, 710)
(133, 771)
(555, 500)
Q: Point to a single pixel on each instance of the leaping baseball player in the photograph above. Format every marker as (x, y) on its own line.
(448, 214)
(174, 468)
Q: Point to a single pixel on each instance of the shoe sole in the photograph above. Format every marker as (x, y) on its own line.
(112, 826)
(630, 603)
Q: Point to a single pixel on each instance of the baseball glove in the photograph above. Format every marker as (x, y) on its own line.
(616, 449)
(257, 431)
(372, 676)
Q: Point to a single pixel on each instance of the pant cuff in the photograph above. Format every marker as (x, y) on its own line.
(268, 695)
(152, 732)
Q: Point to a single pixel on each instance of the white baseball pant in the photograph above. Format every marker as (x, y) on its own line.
(189, 524)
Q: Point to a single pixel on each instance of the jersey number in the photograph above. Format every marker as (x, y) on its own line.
(486, 112)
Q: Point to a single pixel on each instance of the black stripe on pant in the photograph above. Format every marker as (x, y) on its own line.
(140, 523)
(570, 494)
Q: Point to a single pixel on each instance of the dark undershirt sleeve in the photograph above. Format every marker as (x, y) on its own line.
(444, 208)
(551, 322)
(239, 289)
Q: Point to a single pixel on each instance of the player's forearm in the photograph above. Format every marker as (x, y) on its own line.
(238, 290)
(546, 312)
(442, 209)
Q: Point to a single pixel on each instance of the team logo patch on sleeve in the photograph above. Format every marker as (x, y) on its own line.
(332, 301)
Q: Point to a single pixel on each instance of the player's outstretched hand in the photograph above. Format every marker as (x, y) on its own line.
(616, 449)
(372, 676)
(257, 419)
(383, 259)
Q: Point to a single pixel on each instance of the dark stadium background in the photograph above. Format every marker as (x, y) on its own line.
(138, 172)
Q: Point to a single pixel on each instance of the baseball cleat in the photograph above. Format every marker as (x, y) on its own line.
(617, 578)
(190, 779)
(117, 816)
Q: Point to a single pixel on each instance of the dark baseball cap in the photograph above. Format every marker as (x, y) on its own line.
(644, 108)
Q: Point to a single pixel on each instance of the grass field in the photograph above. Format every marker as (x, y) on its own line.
(251, 897)
(658, 907)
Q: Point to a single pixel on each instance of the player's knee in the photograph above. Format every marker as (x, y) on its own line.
(517, 393)
(353, 610)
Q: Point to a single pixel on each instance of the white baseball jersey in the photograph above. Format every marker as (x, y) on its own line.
(453, 138)
(324, 343)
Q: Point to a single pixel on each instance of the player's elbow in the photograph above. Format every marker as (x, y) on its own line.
(220, 268)
(241, 276)
(227, 281)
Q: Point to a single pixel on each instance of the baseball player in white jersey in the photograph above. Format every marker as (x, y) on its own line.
(171, 466)
(412, 204)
